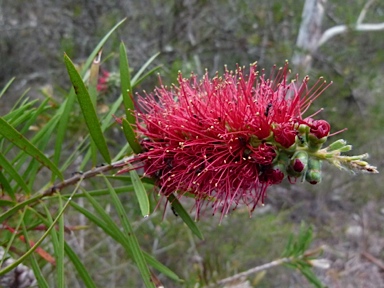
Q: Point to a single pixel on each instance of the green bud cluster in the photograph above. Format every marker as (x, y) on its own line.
(304, 158)
(300, 160)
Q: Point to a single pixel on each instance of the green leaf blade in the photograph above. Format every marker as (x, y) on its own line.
(126, 87)
(141, 193)
(179, 209)
(130, 135)
(79, 266)
(88, 110)
(8, 167)
(137, 254)
(110, 228)
(20, 141)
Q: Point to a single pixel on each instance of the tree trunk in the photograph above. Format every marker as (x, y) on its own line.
(309, 34)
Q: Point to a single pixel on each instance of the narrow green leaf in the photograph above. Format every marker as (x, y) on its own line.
(112, 230)
(150, 72)
(85, 161)
(60, 249)
(179, 209)
(83, 273)
(288, 247)
(6, 186)
(64, 113)
(35, 266)
(41, 140)
(22, 100)
(107, 120)
(103, 192)
(126, 87)
(88, 109)
(130, 135)
(13, 237)
(6, 87)
(81, 147)
(66, 108)
(8, 167)
(161, 268)
(142, 69)
(20, 141)
(5, 270)
(125, 150)
(93, 151)
(131, 237)
(304, 239)
(6, 202)
(99, 46)
(311, 277)
(15, 114)
(20, 118)
(141, 193)
(39, 137)
(80, 268)
(4, 216)
(32, 119)
(106, 123)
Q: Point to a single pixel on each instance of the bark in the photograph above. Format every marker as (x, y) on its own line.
(309, 34)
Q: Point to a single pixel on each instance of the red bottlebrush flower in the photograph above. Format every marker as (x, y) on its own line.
(264, 154)
(219, 138)
(271, 176)
(285, 134)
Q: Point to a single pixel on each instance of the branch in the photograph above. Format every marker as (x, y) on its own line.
(307, 256)
(88, 174)
(364, 11)
(253, 270)
(373, 259)
(310, 38)
(309, 33)
(339, 29)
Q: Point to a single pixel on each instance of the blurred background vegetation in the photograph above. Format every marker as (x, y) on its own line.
(347, 211)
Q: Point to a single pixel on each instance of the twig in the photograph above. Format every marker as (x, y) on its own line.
(88, 174)
(364, 11)
(339, 29)
(373, 259)
(252, 271)
(359, 26)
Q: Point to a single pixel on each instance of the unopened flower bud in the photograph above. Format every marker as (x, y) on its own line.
(314, 143)
(298, 164)
(346, 148)
(313, 174)
(320, 128)
(337, 145)
(285, 135)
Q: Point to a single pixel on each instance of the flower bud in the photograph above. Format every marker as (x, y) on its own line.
(303, 129)
(337, 145)
(285, 135)
(346, 148)
(320, 128)
(313, 174)
(314, 143)
(298, 164)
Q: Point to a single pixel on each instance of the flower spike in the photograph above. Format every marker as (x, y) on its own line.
(225, 140)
